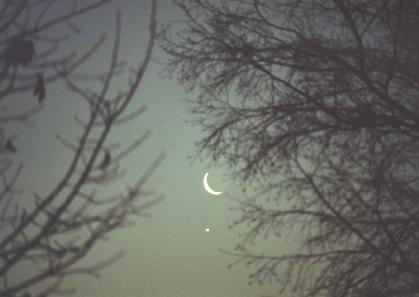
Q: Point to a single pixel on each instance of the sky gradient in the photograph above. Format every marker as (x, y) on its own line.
(170, 254)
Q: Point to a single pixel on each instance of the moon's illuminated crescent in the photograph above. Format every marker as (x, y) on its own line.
(208, 188)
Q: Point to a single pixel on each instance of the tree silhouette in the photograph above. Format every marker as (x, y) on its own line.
(48, 240)
(315, 104)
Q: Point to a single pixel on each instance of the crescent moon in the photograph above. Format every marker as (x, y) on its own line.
(208, 188)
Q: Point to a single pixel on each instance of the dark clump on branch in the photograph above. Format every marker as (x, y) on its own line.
(39, 89)
(18, 51)
(10, 146)
(49, 234)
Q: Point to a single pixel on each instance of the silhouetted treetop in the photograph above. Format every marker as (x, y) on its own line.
(317, 101)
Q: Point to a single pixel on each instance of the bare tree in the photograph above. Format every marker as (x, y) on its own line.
(315, 103)
(48, 240)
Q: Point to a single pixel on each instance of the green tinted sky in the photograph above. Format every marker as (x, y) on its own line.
(169, 255)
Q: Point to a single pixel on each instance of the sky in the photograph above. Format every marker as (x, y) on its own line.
(177, 252)
(170, 254)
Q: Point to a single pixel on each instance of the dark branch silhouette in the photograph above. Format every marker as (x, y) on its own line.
(315, 104)
(50, 239)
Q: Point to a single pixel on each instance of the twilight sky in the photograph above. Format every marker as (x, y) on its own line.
(170, 254)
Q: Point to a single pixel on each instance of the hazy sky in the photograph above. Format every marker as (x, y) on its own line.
(171, 254)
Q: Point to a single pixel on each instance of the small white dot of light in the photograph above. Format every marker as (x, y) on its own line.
(207, 229)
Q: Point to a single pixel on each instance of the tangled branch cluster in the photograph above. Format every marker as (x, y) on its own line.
(316, 102)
